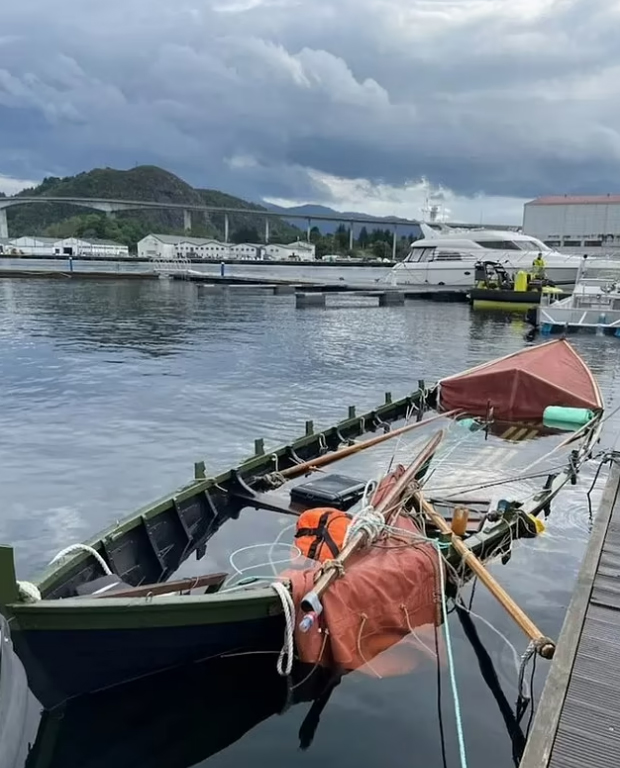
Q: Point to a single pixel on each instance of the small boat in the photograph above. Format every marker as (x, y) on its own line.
(496, 289)
(114, 609)
(594, 306)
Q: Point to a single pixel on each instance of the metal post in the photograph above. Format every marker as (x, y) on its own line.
(4, 224)
(226, 227)
(394, 244)
(266, 231)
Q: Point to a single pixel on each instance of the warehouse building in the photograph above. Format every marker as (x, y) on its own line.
(69, 246)
(583, 223)
(168, 246)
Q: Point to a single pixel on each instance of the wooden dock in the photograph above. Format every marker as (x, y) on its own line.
(577, 723)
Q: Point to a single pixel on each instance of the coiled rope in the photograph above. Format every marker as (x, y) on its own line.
(288, 607)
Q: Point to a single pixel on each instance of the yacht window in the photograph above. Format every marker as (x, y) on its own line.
(421, 254)
(498, 245)
(448, 256)
(531, 245)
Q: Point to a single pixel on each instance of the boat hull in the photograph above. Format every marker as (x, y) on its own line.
(557, 318)
(462, 274)
(483, 298)
(67, 662)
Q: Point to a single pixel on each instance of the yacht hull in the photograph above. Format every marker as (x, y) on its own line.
(412, 274)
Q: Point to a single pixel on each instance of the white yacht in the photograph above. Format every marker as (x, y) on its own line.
(448, 256)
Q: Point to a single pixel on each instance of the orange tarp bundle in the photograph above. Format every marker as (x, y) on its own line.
(387, 591)
(520, 386)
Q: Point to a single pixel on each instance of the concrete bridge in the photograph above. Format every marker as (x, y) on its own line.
(110, 207)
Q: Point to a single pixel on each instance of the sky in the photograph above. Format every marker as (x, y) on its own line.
(365, 105)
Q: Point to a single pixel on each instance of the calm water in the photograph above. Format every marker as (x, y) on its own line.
(111, 391)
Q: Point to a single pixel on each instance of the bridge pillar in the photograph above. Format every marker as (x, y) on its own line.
(394, 244)
(226, 227)
(350, 235)
(187, 221)
(4, 224)
(266, 231)
(308, 228)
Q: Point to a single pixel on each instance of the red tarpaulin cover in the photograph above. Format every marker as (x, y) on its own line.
(520, 386)
(387, 591)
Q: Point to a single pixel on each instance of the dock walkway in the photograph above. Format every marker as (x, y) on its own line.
(577, 723)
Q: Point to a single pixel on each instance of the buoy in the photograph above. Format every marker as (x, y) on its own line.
(571, 417)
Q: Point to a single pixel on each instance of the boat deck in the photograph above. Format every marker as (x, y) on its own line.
(578, 716)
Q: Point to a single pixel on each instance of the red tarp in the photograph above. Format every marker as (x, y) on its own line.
(387, 591)
(520, 386)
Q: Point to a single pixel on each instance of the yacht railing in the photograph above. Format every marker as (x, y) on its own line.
(177, 265)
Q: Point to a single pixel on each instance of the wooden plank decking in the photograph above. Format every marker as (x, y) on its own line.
(577, 723)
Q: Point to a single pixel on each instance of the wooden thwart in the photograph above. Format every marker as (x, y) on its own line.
(213, 581)
(544, 646)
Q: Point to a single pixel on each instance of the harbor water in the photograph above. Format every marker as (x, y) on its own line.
(111, 390)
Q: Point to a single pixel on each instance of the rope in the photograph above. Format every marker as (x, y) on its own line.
(28, 592)
(455, 694)
(83, 548)
(367, 521)
(288, 608)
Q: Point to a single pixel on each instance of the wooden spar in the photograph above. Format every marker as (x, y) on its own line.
(321, 461)
(312, 600)
(544, 646)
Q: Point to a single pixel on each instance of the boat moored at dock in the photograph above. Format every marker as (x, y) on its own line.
(594, 307)
(117, 608)
(448, 257)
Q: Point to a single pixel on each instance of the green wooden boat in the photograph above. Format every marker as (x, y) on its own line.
(111, 610)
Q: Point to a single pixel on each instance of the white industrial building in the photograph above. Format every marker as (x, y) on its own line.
(68, 246)
(573, 223)
(180, 246)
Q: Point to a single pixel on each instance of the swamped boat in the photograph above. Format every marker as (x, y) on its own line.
(370, 551)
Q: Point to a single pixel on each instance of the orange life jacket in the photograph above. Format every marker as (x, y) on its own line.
(320, 532)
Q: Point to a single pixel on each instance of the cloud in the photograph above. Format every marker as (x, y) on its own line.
(491, 101)
(10, 186)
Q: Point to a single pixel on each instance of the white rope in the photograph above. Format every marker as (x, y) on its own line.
(83, 548)
(288, 607)
(367, 521)
(28, 592)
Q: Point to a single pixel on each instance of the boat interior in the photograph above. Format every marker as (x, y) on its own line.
(162, 551)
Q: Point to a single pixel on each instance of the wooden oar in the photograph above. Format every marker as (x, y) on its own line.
(311, 601)
(544, 646)
(328, 458)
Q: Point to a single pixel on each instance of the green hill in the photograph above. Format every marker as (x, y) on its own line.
(140, 183)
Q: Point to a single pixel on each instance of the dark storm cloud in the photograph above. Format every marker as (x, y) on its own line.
(481, 96)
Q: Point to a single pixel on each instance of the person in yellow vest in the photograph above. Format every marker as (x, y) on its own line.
(538, 267)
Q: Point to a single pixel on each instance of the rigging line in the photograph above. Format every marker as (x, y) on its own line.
(489, 675)
(490, 484)
(451, 666)
(531, 718)
(439, 706)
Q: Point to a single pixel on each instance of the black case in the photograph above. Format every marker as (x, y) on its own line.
(336, 491)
